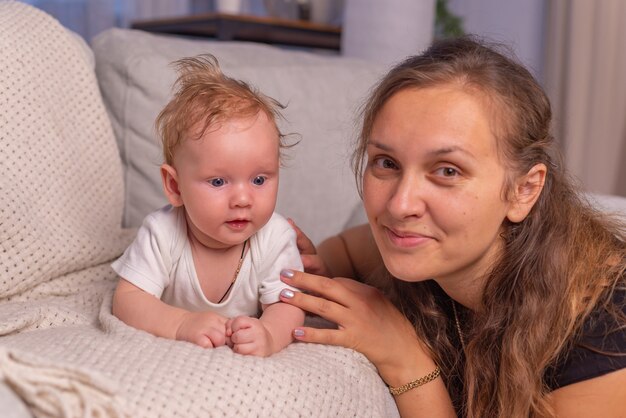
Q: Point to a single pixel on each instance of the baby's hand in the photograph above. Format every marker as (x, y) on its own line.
(206, 329)
(249, 336)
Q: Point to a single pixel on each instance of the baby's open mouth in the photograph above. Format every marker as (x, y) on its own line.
(238, 223)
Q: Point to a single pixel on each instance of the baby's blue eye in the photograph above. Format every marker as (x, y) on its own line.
(258, 180)
(217, 182)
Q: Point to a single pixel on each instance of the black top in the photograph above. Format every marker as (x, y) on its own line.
(595, 353)
(600, 349)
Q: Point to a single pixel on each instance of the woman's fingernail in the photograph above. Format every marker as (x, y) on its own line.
(286, 293)
(298, 332)
(287, 273)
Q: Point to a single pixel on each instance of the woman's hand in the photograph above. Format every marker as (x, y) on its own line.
(367, 322)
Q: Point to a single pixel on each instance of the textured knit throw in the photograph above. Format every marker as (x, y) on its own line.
(61, 350)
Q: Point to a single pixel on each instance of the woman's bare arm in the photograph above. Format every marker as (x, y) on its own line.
(352, 253)
(601, 396)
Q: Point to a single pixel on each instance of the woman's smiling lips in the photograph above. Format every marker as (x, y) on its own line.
(406, 239)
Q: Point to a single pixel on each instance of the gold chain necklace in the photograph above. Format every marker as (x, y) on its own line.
(243, 250)
(458, 324)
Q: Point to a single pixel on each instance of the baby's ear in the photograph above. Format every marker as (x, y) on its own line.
(169, 176)
(526, 192)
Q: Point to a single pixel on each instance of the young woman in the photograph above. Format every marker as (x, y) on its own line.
(508, 287)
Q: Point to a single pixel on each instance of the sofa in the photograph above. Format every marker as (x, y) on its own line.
(80, 163)
(80, 157)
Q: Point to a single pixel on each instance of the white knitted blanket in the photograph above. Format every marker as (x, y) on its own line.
(61, 350)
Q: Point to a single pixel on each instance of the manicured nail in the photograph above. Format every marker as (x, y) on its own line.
(286, 293)
(298, 333)
(287, 273)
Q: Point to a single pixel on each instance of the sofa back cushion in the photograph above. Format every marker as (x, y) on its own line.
(61, 183)
(322, 94)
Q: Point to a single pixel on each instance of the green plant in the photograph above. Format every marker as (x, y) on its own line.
(447, 24)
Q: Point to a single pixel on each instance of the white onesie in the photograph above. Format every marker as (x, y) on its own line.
(160, 262)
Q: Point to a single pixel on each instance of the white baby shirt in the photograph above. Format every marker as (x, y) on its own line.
(160, 262)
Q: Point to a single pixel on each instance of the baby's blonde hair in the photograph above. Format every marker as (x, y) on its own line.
(202, 93)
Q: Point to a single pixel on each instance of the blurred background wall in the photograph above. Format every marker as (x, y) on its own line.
(575, 48)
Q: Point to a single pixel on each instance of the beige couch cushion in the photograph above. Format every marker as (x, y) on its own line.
(321, 92)
(61, 174)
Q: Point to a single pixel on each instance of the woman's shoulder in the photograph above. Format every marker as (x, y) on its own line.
(599, 349)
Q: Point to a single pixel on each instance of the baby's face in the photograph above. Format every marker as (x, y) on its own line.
(228, 180)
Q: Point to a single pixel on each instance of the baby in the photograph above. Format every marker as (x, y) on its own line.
(201, 268)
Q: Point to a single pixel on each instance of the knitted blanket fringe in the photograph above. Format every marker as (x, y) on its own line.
(54, 390)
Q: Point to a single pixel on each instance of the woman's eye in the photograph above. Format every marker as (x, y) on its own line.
(385, 163)
(448, 171)
(258, 180)
(217, 182)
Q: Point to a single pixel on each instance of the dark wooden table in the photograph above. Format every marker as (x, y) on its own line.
(227, 27)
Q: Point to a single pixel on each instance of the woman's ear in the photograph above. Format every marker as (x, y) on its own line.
(169, 176)
(526, 192)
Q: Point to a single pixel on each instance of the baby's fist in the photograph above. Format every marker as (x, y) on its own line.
(249, 336)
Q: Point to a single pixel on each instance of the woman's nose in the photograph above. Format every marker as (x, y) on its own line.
(408, 198)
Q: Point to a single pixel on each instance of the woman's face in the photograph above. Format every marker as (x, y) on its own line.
(433, 185)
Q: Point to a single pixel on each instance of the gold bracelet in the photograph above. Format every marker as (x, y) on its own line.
(416, 383)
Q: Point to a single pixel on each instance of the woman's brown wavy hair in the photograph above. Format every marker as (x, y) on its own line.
(565, 259)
